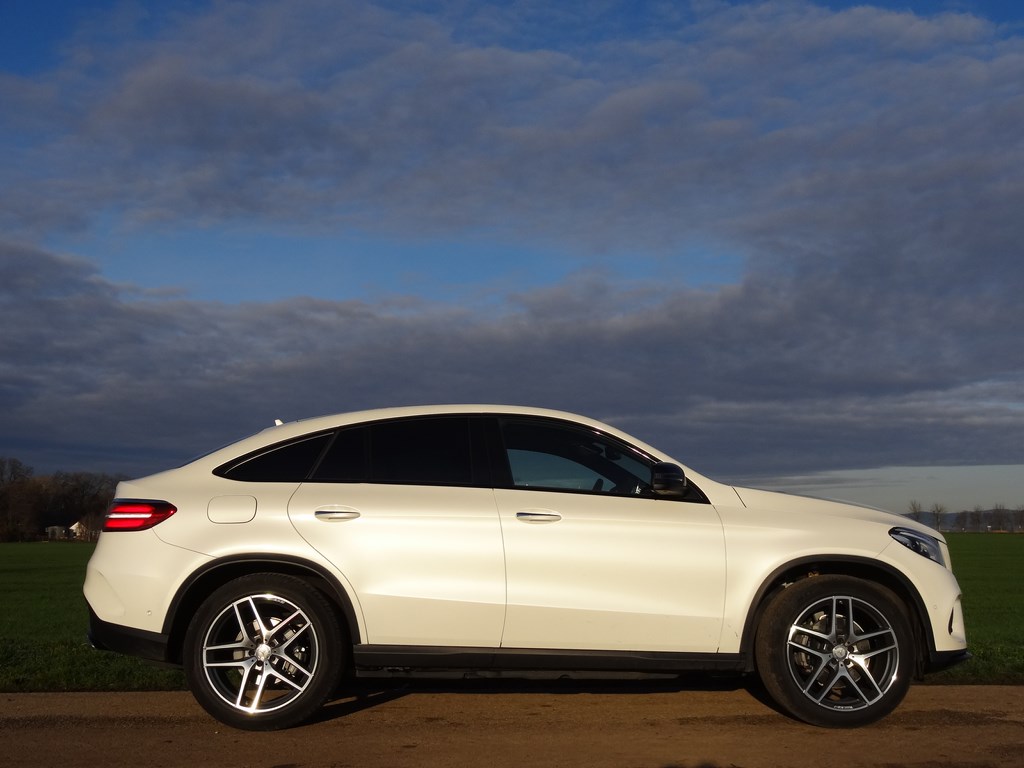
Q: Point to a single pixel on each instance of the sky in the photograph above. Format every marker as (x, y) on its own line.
(780, 240)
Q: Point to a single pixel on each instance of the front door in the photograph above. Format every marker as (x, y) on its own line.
(593, 561)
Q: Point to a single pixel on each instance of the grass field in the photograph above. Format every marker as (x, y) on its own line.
(43, 626)
(990, 569)
(44, 618)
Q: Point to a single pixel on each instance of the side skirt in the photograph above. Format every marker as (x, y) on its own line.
(438, 661)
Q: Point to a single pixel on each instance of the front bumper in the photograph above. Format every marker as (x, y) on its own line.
(939, 660)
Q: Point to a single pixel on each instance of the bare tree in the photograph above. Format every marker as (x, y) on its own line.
(1018, 518)
(915, 511)
(29, 504)
(16, 516)
(975, 516)
(79, 496)
(961, 520)
(999, 518)
(938, 512)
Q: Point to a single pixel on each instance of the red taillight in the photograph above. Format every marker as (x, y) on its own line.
(132, 515)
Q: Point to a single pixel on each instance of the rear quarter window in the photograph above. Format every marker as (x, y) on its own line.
(288, 463)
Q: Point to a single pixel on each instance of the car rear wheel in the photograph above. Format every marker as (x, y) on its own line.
(263, 652)
(835, 651)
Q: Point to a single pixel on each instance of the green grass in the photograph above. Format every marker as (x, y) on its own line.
(43, 626)
(44, 620)
(990, 569)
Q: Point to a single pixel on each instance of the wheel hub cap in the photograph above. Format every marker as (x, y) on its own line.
(843, 653)
(261, 653)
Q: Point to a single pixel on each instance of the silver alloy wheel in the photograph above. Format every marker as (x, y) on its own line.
(260, 653)
(843, 653)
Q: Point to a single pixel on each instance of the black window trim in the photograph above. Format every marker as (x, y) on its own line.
(488, 453)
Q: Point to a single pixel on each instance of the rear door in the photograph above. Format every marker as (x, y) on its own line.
(398, 508)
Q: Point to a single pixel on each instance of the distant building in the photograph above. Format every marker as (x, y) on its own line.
(81, 532)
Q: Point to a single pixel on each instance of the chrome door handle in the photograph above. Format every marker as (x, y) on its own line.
(538, 516)
(334, 513)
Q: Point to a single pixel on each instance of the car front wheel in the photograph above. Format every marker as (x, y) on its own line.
(835, 651)
(263, 652)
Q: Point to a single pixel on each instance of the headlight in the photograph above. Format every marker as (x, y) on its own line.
(922, 543)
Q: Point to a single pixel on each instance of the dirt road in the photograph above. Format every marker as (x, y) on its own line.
(545, 725)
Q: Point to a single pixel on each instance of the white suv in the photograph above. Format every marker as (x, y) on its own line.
(486, 538)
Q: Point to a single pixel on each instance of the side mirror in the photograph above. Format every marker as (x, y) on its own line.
(668, 480)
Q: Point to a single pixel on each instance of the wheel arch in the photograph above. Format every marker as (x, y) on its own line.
(219, 572)
(840, 565)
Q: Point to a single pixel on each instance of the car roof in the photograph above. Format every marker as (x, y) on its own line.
(280, 432)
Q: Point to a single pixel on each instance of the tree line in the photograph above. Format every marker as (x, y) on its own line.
(30, 503)
(999, 518)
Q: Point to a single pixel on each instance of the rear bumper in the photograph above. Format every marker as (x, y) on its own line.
(105, 636)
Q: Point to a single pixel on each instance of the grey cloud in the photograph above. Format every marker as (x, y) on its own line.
(866, 165)
(741, 381)
(345, 115)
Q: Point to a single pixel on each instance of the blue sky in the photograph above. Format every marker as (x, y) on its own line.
(779, 239)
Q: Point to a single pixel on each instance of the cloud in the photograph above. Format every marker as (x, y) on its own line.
(865, 165)
(738, 381)
(346, 115)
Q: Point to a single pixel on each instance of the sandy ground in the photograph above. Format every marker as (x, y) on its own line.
(614, 725)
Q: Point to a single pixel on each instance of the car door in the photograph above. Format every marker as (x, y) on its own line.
(397, 507)
(593, 560)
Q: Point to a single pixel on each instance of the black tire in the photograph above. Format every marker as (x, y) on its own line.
(836, 651)
(263, 652)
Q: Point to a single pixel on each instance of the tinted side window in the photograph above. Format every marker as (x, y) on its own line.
(346, 459)
(555, 456)
(290, 462)
(422, 452)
